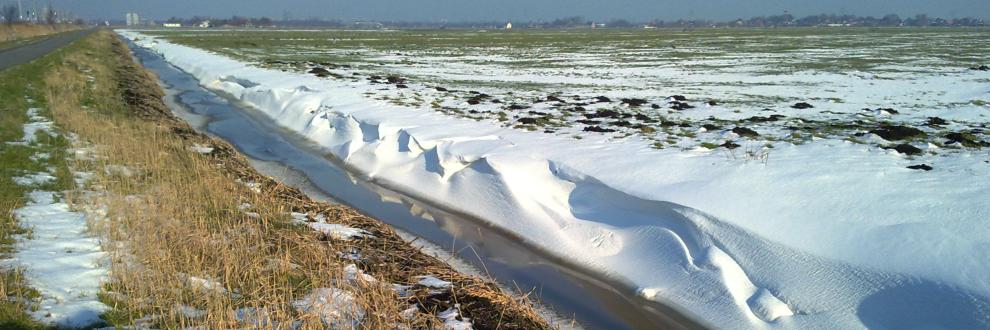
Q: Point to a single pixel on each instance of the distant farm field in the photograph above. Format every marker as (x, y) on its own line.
(677, 89)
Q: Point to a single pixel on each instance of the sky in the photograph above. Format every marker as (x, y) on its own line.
(517, 10)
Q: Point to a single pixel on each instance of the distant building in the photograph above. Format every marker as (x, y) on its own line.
(132, 19)
(508, 26)
(172, 25)
(368, 25)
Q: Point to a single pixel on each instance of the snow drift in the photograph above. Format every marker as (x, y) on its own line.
(826, 235)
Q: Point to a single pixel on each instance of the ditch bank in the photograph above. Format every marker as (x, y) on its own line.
(574, 292)
(385, 256)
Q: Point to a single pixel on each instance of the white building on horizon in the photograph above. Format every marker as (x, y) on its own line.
(132, 19)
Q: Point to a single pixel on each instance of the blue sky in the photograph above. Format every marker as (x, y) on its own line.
(518, 10)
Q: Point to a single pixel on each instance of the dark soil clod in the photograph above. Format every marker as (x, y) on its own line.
(598, 129)
(966, 139)
(936, 121)
(677, 105)
(802, 105)
(603, 114)
(730, 145)
(760, 119)
(907, 149)
(710, 127)
(923, 167)
(319, 71)
(743, 131)
(897, 132)
(633, 102)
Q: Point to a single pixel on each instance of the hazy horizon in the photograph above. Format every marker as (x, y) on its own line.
(517, 10)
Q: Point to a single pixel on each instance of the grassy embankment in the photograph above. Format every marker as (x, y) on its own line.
(21, 88)
(17, 34)
(174, 217)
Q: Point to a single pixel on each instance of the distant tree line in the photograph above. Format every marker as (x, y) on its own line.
(785, 20)
(233, 21)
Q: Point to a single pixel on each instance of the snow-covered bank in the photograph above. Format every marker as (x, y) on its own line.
(832, 232)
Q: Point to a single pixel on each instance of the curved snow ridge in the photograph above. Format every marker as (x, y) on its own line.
(777, 246)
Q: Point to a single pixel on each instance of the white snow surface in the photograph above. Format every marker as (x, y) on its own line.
(338, 231)
(336, 308)
(433, 282)
(62, 261)
(451, 322)
(829, 234)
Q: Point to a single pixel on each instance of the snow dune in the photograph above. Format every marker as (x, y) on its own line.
(825, 235)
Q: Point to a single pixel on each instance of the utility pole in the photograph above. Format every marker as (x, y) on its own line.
(20, 13)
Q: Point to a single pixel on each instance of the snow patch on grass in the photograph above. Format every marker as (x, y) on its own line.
(62, 261)
(338, 231)
(453, 320)
(202, 149)
(433, 282)
(36, 179)
(337, 308)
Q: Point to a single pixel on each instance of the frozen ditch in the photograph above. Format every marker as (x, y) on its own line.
(829, 234)
(475, 247)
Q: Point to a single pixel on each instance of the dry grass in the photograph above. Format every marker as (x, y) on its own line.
(171, 215)
(23, 30)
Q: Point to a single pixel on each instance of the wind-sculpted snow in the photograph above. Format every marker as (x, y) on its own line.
(829, 234)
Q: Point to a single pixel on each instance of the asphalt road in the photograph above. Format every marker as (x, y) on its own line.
(27, 53)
